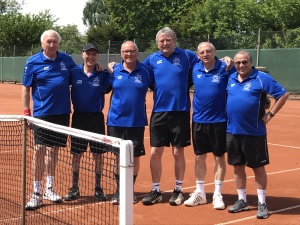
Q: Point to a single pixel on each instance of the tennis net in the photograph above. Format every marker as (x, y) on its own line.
(17, 145)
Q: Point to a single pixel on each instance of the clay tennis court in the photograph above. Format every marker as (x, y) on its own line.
(283, 195)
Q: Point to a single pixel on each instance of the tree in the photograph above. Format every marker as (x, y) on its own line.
(11, 6)
(95, 13)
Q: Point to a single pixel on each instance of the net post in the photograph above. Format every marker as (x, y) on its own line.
(126, 183)
(23, 220)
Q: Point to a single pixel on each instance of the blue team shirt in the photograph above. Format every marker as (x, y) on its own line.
(49, 80)
(87, 92)
(127, 107)
(171, 79)
(209, 102)
(243, 103)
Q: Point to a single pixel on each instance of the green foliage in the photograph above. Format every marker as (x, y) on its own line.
(10, 6)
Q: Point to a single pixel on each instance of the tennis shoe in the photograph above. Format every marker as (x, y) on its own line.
(153, 197)
(218, 201)
(34, 202)
(239, 205)
(262, 212)
(115, 199)
(50, 194)
(135, 200)
(176, 198)
(100, 195)
(196, 198)
(73, 194)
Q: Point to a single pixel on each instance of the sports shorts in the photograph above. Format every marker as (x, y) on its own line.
(209, 138)
(48, 137)
(251, 151)
(135, 134)
(92, 122)
(170, 128)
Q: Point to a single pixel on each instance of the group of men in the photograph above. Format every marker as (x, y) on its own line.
(228, 115)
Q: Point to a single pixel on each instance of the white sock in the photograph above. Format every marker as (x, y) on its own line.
(242, 194)
(261, 194)
(200, 186)
(37, 186)
(49, 181)
(156, 186)
(218, 187)
(178, 185)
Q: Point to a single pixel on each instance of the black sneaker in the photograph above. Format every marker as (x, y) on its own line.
(135, 200)
(262, 211)
(177, 198)
(152, 198)
(73, 194)
(239, 205)
(115, 198)
(100, 195)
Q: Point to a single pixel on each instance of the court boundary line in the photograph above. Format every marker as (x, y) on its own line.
(254, 217)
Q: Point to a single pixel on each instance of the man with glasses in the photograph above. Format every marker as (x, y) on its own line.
(246, 128)
(127, 116)
(210, 78)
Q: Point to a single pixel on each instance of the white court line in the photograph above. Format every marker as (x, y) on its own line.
(286, 146)
(286, 115)
(252, 217)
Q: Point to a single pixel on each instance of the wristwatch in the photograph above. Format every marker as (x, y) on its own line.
(270, 114)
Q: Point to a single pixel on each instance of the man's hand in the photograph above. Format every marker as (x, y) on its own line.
(99, 67)
(27, 112)
(229, 62)
(111, 66)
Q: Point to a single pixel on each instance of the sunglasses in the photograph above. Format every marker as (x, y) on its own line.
(241, 62)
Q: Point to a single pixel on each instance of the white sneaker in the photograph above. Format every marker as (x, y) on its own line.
(196, 198)
(218, 201)
(50, 194)
(34, 202)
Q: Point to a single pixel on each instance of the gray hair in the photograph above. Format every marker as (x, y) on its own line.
(49, 32)
(244, 52)
(206, 42)
(166, 30)
(134, 44)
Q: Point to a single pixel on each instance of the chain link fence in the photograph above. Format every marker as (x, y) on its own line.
(261, 40)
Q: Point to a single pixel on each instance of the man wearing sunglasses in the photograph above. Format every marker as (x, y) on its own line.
(246, 127)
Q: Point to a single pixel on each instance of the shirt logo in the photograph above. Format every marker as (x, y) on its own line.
(159, 62)
(119, 77)
(247, 86)
(79, 82)
(46, 68)
(138, 78)
(216, 78)
(232, 85)
(176, 61)
(96, 82)
(62, 66)
(199, 75)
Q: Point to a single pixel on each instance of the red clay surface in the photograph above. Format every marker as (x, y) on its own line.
(283, 196)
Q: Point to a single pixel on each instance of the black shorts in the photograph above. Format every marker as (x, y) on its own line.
(251, 151)
(170, 127)
(209, 138)
(48, 137)
(135, 134)
(92, 122)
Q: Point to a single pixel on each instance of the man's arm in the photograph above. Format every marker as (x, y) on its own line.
(276, 107)
(26, 100)
(229, 62)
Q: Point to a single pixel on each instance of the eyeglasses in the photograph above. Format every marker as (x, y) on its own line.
(241, 62)
(126, 52)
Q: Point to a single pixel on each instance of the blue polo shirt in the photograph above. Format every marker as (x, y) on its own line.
(87, 92)
(171, 78)
(127, 107)
(243, 102)
(49, 80)
(209, 102)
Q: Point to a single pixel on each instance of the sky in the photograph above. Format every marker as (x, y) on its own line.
(68, 11)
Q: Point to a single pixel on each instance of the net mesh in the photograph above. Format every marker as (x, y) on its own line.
(84, 210)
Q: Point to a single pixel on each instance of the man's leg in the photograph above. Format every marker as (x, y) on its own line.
(261, 184)
(156, 170)
(219, 171)
(99, 194)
